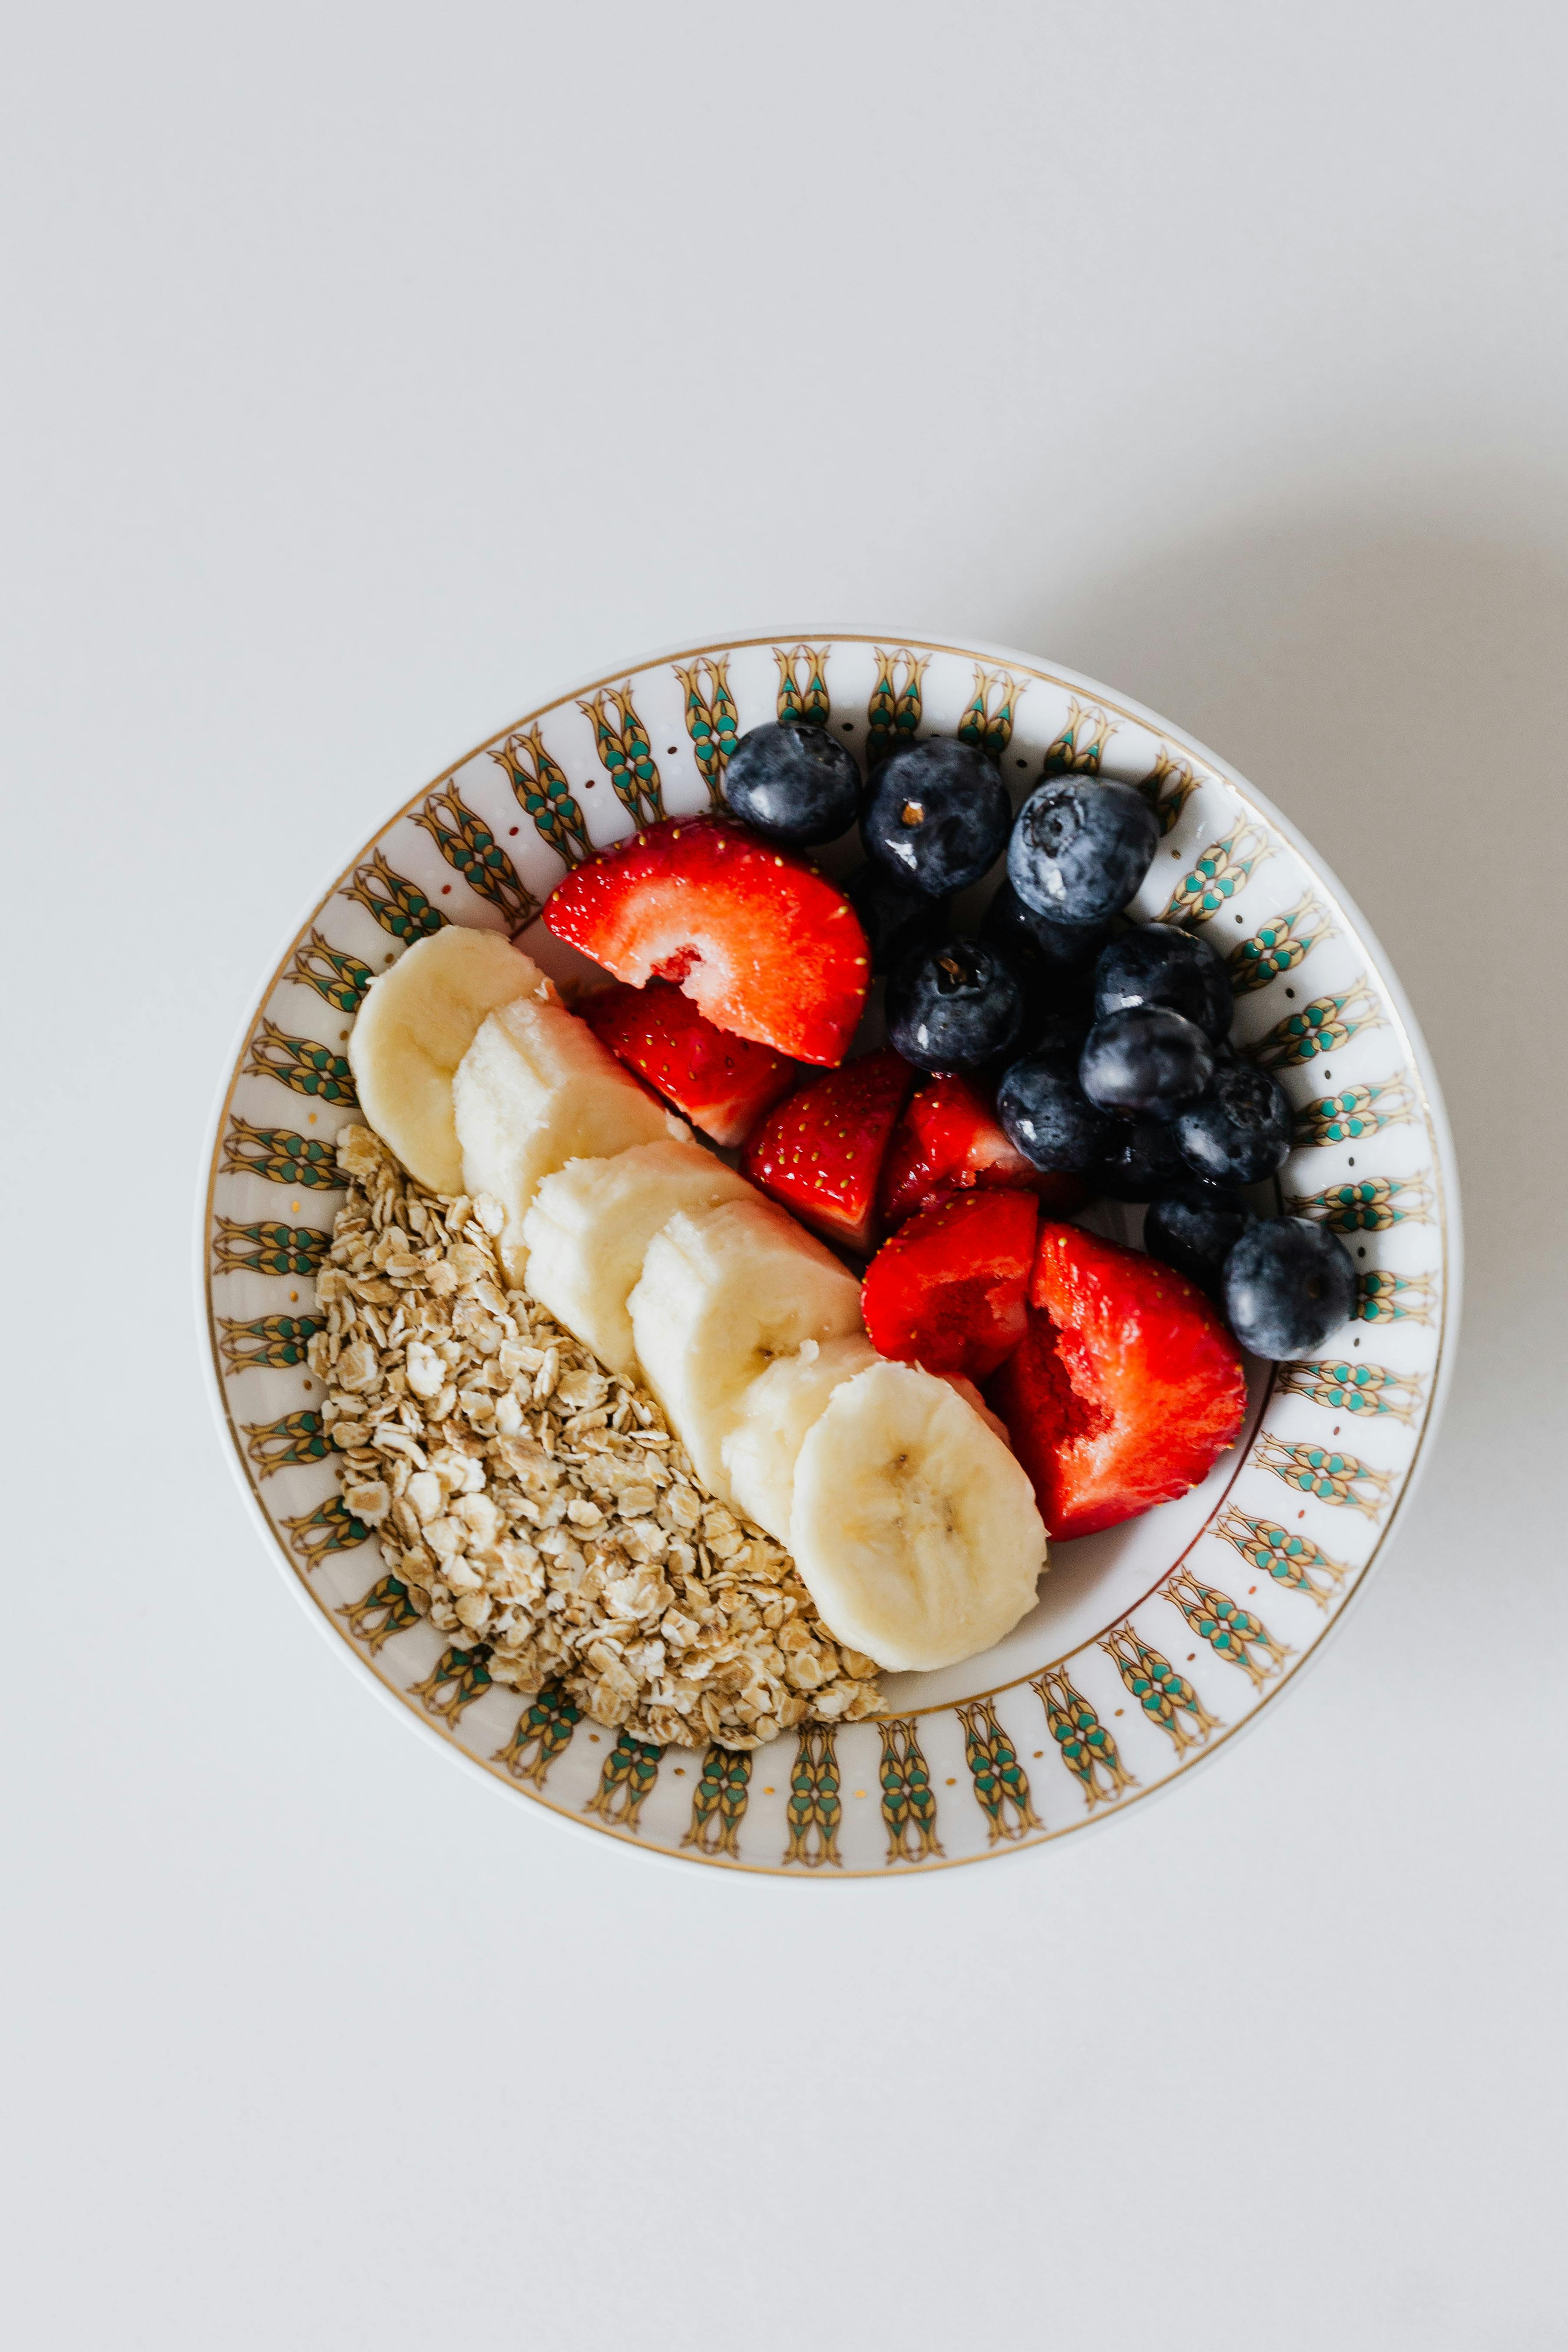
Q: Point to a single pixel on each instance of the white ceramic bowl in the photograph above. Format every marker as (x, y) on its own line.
(1153, 1645)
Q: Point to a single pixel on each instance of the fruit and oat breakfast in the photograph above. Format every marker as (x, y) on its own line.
(685, 1355)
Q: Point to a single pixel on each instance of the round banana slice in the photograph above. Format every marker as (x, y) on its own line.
(914, 1527)
(414, 1027)
(534, 1090)
(776, 1412)
(722, 1292)
(588, 1227)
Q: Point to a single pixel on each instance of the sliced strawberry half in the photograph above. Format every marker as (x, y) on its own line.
(722, 1083)
(949, 1140)
(1126, 1387)
(821, 1153)
(757, 939)
(948, 1290)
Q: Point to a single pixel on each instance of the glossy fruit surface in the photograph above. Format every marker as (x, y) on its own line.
(722, 1083)
(1141, 1162)
(1124, 1388)
(820, 1153)
(1145, 1065)
(937, 815)
(896, 920)
(1081, 848)
(954, 1006)
(756, 937)
(947, 1291)
(1240, 1132)
(1154, 963)
(1288, 1282)
(1045, 1111)
(1195, 1226)
(951, 1141)
(793, 783)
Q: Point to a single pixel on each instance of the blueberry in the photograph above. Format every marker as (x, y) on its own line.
(1079, 849)
(794, 784)
(1142, 1162)
(1287, 1284)
(896, 921)
(937, 815)
(1017, 929)
(954, 1006)
(1044, 1112)
(1193, 1227)
(1155, 964)
(1240, 1132)
(1147, 1063)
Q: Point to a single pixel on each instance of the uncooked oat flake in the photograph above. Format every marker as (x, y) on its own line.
(537, 1506)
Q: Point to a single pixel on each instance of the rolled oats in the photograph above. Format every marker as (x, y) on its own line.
(534, 1504)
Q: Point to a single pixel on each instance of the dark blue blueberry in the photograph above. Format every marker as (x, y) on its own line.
(1155, 964)
(793, 783)
(1044, 1110)
(897, 921)
(1194, 1227)
(937, 815)
(1079, 849)
(1142, 1162)
(1240, 1133)
(954, 1006)
(1146, 1065)
(1287, 1284)
(1054, 960)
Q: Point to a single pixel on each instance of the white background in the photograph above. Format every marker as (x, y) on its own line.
(375, 372)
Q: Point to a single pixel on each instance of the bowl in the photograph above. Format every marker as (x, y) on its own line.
(1153, 1645)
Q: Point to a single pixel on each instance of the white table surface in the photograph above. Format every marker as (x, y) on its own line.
(375, 370)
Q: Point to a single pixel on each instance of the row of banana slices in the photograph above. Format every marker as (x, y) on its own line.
(912, 1525)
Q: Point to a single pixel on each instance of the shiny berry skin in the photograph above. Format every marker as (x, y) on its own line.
(896, 921)
(1288, 1282)
(1193, 1227)
(1142, 1162)
(793, 783)
(1155, 964)
(1240, 1133)
(953, 1007)
(937, 815)
(1045, 1113)
(1079, 849)
(1017, 929)
(1147, 1063)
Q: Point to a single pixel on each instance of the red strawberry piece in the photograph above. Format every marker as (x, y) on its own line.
(722, 1083)
(948, 1291)
(821, 1153)
(1125, 1389)
(949, 1140)
(757, 939)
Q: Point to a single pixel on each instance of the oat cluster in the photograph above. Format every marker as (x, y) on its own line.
(537, 1505)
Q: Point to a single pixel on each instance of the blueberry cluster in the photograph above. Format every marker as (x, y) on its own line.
(1129, 1081)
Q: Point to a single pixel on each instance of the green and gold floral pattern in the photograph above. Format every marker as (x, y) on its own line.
(962, 1766)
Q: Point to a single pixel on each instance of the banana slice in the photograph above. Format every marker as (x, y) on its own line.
(724, 1291)
(759, 1453)
(914, 1527)
(414, 1027)
(589, 1225)
(534, 1090)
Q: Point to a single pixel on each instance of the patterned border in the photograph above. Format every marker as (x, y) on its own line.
(806, 1811)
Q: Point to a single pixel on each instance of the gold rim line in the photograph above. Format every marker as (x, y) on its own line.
(1151, 724)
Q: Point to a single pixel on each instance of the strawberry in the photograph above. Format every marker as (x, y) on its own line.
(722, 1083)
(757, 939)
(1126, 1387)
(820, 1152)
(948, 1291)
(948, 1142)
